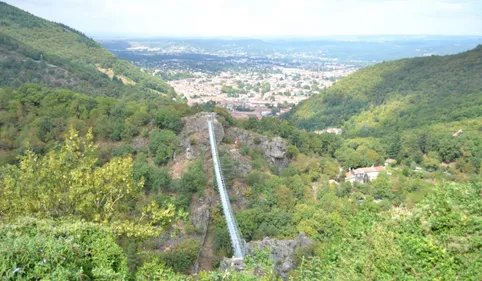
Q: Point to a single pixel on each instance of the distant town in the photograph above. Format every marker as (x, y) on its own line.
(256, 94)
(261, 78)
(248, 83)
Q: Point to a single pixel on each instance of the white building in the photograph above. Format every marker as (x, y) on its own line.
(336, 131)
(363, 175)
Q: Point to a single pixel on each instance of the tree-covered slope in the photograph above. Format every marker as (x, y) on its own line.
(36, 50)
(401, 94)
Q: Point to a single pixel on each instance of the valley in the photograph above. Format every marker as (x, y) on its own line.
(337, 158)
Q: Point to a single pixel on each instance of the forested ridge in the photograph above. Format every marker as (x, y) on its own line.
(101, 179)
(399, 95)
(34, 50)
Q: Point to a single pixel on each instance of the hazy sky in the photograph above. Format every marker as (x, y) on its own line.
(258, 18)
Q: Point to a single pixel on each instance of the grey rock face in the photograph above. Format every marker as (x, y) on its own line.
(200, 214)
(234, 263)
(194, 135)
(282, 252)
(241, 166)
(275, 150)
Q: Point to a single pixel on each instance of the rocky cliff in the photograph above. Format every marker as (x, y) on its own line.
(194, 138)
(275, 150)
(285, 253)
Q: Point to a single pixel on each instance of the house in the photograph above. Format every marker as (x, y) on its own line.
(363, 175)
(266, 113)
(390, 161)
(335, 131)
(456, 134)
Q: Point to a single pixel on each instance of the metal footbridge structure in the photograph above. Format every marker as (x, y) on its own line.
(239, 245)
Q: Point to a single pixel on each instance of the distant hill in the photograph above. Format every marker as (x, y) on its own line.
(397, 95)
(34, 50)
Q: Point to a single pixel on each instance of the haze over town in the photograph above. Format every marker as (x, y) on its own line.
(253, 18)
(208, 50)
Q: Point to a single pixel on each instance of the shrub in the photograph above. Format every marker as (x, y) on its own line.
(123, 150)
(183, 255)
(228, 140)
(32, 249)
(244, 150)
(255, 177)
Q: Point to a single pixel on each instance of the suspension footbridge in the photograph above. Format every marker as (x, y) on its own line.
(239, 245)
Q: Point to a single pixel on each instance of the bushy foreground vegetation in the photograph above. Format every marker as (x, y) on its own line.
(128, 192)
(33, 249)
(437, 240)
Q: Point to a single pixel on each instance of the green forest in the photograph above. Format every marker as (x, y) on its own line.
(33, 50)
(110, 177)
(398, 95)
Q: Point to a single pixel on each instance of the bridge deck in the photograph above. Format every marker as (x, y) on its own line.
(239, 245)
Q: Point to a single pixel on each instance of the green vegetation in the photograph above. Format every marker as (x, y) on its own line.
(408, 110)
(39, 117)
(393, 96)
(308, 143)
(66, 183)
(182, 256)
(91, 177)
(34, 50)
(435, 240)
(32, 249)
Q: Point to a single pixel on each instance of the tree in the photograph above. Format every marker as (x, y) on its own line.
(349, 158)
(183, 255)
(265, 87)
(168, 119)
(67, 182)
(329, 167)
(162, 145)
(32, 249)
(382, 187)
(431, 161)
(155, 270)
(285, 198)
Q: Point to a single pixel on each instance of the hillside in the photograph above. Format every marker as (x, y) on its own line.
(34, 50)
(107, 180)
(397, 95)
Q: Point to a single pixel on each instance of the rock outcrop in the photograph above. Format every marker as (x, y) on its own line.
(275, 150)
(200, 213)
(283, 252)
(194, 136)
(241, 165)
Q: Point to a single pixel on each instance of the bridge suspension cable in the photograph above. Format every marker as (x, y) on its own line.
(239, 245)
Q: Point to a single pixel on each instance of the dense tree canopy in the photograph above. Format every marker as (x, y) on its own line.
(95, 185)
(32, 249)
(66, 182)
(397, 95)
(55, 55)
